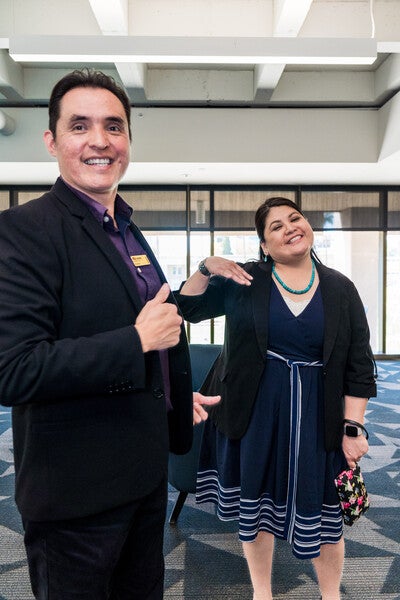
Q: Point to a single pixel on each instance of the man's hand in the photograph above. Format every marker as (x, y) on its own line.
(158, 323)
(199, 414)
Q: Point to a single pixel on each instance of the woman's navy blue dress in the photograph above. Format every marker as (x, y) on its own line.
(278, 477)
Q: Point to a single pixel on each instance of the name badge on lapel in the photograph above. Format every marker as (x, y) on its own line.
(140, 260)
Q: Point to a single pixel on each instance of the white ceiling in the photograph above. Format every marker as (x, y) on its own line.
(219, 91)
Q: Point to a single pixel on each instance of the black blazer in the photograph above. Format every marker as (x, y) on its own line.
(89, 417)
(349, 367)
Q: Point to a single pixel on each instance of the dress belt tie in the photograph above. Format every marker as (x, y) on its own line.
(294, 437)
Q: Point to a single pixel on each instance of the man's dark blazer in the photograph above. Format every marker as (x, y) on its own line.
(348, 363)
(89, 415)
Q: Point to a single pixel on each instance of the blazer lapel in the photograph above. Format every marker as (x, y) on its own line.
(107, 248)
(260, 292)
(101, 240)
(332, 309)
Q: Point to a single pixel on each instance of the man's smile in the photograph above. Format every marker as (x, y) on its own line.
(98, 161)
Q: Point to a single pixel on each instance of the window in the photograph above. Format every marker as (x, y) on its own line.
(357, 231)
(158, 209)
(394, 210)
(236, 209)
(341, 210)
(170, 250)
(4, 200)
(200, 247)
(199, 209)
(24, 197)
(355, 254)
(392, 293)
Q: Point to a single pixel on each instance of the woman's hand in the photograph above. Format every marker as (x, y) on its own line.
(199, 414)
(354, 449)
(198, 283)
(228, 269)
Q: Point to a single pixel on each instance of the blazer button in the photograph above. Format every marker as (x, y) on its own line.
(158, 393)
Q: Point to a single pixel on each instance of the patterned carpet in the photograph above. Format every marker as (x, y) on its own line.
(203, 556)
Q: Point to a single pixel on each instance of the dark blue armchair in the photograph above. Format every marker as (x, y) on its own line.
(182, 469)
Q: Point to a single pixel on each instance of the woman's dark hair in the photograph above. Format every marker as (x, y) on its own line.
(90, 79)
(261, 217)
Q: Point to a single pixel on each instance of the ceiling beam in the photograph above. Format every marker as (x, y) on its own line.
(289, 16)
(112, 17)
(11, 78)
(133, 77)
(389, 122)
(266, 79)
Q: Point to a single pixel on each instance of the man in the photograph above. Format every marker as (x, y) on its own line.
(94, 362)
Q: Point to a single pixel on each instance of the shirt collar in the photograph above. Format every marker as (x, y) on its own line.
(122, 210)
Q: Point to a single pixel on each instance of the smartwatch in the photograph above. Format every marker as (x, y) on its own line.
(203, 269)
(354, 429)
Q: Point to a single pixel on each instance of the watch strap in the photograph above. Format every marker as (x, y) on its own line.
(203, 269)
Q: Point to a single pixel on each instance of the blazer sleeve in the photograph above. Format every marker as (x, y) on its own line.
(214, 302)
(204, 306)
(36, 365)
(360, 375)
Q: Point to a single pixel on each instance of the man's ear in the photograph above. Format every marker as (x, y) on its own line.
(50, 142)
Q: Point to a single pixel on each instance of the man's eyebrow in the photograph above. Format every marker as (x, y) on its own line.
(74, 118)
(111, 119)
(115, 119)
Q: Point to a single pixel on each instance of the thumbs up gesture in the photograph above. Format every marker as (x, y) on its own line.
(158, 323)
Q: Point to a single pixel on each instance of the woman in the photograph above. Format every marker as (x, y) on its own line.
(296, 363)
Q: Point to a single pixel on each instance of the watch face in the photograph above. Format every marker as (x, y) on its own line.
(351, 430)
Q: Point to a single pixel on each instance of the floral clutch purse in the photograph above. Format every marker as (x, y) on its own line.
(353, 494)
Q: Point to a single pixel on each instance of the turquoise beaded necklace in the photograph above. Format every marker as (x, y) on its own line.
(289, 289)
